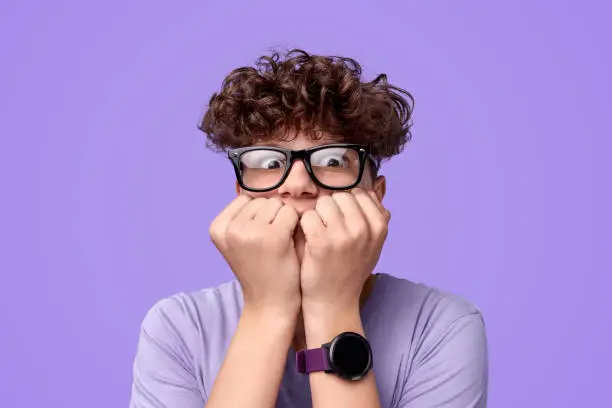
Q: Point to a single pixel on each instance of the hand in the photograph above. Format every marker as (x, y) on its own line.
(255, 236)
(344, 238)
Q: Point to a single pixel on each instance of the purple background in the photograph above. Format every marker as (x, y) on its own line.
(108, 189)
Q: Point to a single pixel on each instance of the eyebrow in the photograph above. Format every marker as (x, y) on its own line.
(284, 145)
(270, 144)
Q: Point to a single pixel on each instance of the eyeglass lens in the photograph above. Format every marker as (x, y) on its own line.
(333, 166)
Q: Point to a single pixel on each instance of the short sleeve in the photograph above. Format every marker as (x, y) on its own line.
(163, 372)
(451, 369)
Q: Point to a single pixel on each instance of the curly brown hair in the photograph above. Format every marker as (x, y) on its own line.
(317, 95)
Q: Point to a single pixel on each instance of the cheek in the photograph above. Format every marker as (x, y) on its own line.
(323, 192)
(268, 194)
(366, 182)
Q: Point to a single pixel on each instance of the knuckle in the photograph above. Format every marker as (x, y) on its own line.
(216, 230)
(215, 235)
(380, 229)
(359, 227)
(249, 238)
(323, 200)
(269, 202)
(341, 241)
(320, 247)
(341, 195)
(287, 214)
(308, 214)
(274, 201)
(258, 202)
(235, 231)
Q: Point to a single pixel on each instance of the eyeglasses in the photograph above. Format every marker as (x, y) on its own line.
(265, 168)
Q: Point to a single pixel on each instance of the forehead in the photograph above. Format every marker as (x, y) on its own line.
(298, 141)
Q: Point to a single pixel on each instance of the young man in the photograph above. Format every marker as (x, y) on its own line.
(306, 322)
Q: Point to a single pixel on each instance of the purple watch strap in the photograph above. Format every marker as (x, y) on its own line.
(308, 361)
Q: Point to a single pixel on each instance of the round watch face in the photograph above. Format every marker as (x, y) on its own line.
(350, 356)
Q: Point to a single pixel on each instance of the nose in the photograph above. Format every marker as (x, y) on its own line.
(298, 183)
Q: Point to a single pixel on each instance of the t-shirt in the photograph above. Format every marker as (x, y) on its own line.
(429, 348)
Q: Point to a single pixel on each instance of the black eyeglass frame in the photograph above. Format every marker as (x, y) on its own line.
(291, 156)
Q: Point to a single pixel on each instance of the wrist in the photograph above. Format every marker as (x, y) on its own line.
(322, 311)
(285, 308)
(322, 324)
(271, 317)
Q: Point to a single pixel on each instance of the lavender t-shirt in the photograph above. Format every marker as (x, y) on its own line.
(429, 348)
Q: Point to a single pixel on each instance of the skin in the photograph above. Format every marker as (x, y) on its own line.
(326, 244)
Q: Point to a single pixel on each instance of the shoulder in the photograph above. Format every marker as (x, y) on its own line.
(444, 343)
(189, 314)
(431, 315)
(179, 343)
(426, 303)
(423, 300)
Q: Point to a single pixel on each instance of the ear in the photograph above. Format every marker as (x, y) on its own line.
(380, 187)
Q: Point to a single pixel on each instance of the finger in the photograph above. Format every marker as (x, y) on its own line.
(381, 207)
(372, 212)
(329, 212)
(233, 209)
(287, 218)
(354, 217)
(312, 224)
(249, 211)
(267, 212)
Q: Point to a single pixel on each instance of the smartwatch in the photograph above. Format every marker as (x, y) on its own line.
(348, 355)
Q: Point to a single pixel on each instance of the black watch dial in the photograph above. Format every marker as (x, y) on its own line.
(350, 356)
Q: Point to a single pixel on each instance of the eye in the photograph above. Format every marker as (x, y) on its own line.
(330, 158)
(263, 159)
(271, 163)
